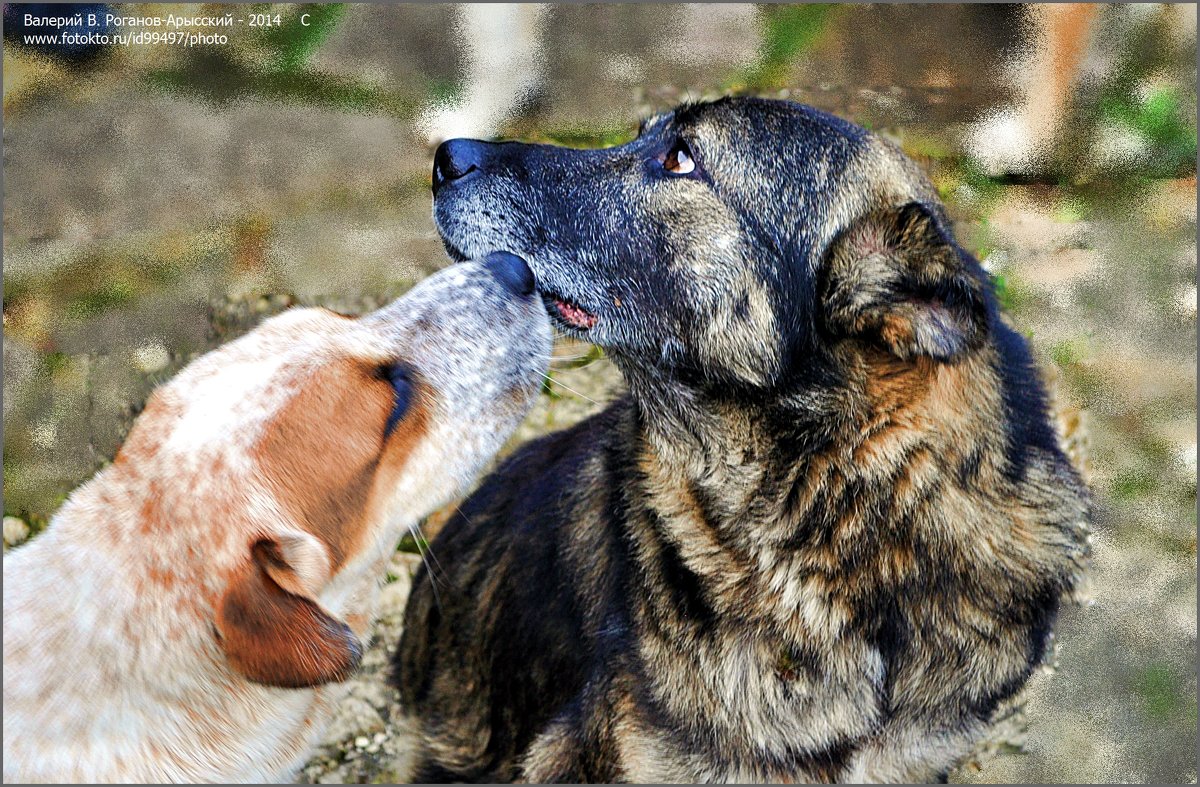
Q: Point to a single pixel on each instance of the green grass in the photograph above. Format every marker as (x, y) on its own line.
(99, 280)
(1072, 208)
(1012, 294)
(1089, 386)
(219, 79)
(295, 42)
(443, 90)
(413, 544)
(929, 147)
(1133, 484)
(1160, 119)
(109, 293)
(37, 521)
(587, 138)
(53, 363)
(1067, 352)
(548, 386)
(1161, 693)
(988, 190)
(594, 353)
(788, 30)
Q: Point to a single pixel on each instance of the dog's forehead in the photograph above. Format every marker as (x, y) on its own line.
(232, 389)
(298, 331)
(754, 122)
(694, 118)
(655, 123)
(440, 311)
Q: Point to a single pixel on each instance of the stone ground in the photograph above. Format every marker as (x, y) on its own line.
(145, 225)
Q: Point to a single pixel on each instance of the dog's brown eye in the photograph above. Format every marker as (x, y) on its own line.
(679, 159)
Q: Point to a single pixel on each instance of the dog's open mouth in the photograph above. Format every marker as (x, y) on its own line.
(570, 312)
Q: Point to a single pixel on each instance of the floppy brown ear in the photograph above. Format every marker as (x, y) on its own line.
(269, 624)
(896, 277)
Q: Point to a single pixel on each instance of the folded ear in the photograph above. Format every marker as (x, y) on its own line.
(270, 625)
(896, 277)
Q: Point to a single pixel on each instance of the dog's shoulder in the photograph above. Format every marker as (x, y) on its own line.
(503, 588)
(531, 490)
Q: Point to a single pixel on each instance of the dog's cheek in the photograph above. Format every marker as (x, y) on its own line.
(319, 455)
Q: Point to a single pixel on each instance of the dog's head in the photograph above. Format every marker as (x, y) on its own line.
(728, 245)
(294, 456)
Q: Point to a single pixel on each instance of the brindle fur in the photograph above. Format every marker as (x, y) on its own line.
(824, 534)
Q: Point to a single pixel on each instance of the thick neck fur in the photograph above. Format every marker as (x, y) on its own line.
(752, 466)
(795, 528)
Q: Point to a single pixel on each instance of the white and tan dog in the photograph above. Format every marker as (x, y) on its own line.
(191, 609)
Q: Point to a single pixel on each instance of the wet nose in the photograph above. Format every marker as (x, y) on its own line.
(454, 160)
(511, 271)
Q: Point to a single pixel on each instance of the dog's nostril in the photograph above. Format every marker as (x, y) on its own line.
(455, 159)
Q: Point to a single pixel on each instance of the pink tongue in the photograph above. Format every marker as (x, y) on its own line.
(574, 315)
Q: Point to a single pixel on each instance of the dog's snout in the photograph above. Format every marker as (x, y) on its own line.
(455, 159)
(511, 271)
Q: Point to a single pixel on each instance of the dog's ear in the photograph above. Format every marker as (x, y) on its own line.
(896, 277)
(270, 625)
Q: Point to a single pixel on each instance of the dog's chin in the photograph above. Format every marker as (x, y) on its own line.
(455, 253)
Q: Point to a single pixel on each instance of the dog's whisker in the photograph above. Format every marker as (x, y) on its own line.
(418, 538)
(383, 548)
(575, 361)
(429, 548)
(560, 384)
(587, 354)
(423, 549)
(569, 367)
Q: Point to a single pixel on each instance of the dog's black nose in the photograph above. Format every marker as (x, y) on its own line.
(454, 160)
(511, 271)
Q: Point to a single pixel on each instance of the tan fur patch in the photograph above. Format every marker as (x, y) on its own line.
(896, 330)
(320, 454)
(150, 514)
(893, 384)
(151, 430)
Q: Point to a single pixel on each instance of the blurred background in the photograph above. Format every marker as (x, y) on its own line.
(161, 199)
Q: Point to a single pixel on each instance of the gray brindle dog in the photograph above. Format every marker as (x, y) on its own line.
(824, 534)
